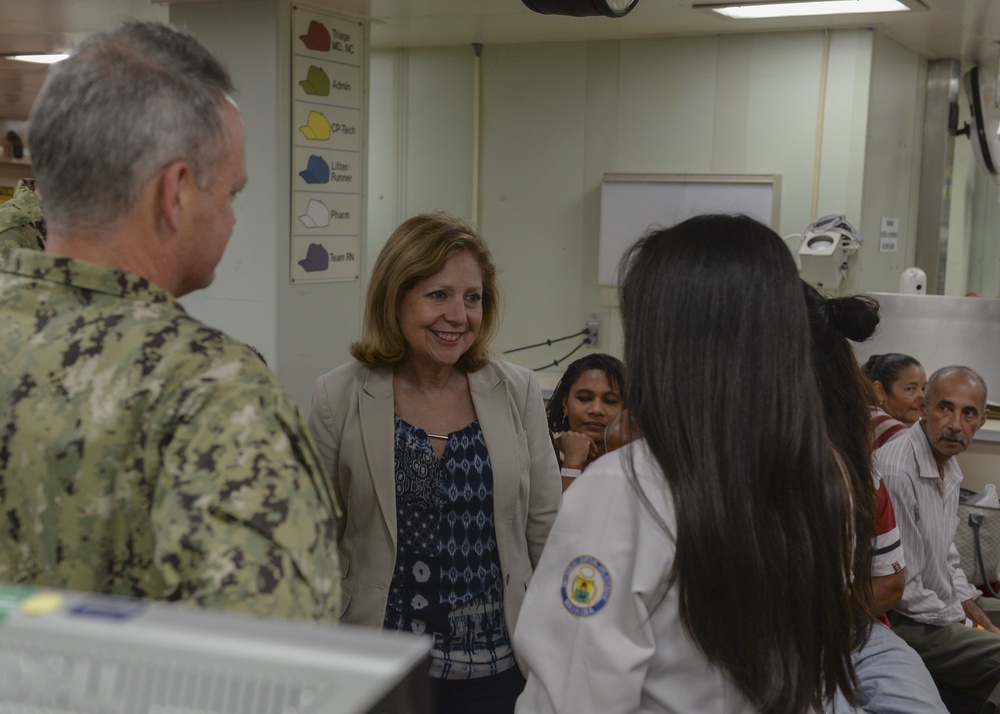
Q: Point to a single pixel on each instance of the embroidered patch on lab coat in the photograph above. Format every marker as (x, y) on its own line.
(586, 586)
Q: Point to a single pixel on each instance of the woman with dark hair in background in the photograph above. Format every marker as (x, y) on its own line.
(892, 679)
(898, 382)
(586, 399)
(732, 485)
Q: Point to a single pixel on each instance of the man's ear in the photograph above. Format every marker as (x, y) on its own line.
(173, 183)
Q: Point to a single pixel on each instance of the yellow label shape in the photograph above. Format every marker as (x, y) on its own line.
(317, 128)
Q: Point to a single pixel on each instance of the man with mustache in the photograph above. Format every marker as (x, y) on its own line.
(941, 615)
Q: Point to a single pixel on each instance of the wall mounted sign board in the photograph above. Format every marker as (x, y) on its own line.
(632, 203)
(327, 156)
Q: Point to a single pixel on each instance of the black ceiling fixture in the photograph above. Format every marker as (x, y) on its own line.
(582, 8)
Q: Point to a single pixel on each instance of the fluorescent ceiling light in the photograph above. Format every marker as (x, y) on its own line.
(820, 7)
(39, 59)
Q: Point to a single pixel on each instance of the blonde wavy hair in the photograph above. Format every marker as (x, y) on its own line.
(418, 249)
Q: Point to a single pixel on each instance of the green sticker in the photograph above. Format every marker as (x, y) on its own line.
(11, 596)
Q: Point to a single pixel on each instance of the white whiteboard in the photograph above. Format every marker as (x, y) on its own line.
(632, 203)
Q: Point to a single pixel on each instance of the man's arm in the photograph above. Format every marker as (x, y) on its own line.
(976, 614)
(968, 593)
(243, 518)
(963, 589)
(888, 579)
(888, 591)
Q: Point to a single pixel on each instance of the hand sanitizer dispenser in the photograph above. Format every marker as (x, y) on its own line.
(913, 281)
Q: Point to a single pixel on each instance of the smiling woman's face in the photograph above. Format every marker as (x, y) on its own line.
(440, 316)
(591, 403)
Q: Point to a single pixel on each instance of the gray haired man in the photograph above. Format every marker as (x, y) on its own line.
(941, 615)
(142, 452)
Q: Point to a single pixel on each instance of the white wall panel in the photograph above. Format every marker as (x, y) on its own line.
(892, 165)
(557, 116)
(533, 191)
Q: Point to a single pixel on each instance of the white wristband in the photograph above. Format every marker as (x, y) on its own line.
(570, 473)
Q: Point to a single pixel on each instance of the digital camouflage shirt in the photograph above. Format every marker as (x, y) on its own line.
(21, 222)
(143, 453)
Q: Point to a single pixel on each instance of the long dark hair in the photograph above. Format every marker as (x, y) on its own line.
(613, 369)
(846, 394)
(721, 385)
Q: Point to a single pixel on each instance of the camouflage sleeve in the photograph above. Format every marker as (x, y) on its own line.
(14, 237)
(242, 516)
(21, 222)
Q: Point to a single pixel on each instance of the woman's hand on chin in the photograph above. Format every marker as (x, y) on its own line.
(578, 449)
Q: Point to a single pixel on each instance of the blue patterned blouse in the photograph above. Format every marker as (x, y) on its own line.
(447, 580)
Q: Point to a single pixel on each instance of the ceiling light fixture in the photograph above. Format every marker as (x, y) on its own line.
(810, 7)
(39, 59)
(582, 8)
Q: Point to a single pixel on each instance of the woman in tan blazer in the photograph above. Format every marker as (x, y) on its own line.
(441, 459)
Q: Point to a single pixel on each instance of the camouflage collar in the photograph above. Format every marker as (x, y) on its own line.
(25, 185)
(86, 276)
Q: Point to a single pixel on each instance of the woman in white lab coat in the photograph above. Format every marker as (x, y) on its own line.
(707, 566)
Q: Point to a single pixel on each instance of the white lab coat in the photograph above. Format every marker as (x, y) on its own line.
(632, 653)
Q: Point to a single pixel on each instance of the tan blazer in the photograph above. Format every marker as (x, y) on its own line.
(351, 421)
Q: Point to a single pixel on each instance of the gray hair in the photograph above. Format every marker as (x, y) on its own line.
(126, 104)
(952, 370)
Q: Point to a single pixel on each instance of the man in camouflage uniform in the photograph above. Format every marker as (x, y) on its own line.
(21, 223)
(141, 452)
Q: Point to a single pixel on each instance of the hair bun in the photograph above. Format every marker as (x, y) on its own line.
(854, 316)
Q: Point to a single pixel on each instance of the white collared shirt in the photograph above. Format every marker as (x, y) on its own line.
(926, 506)
(599, 630)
